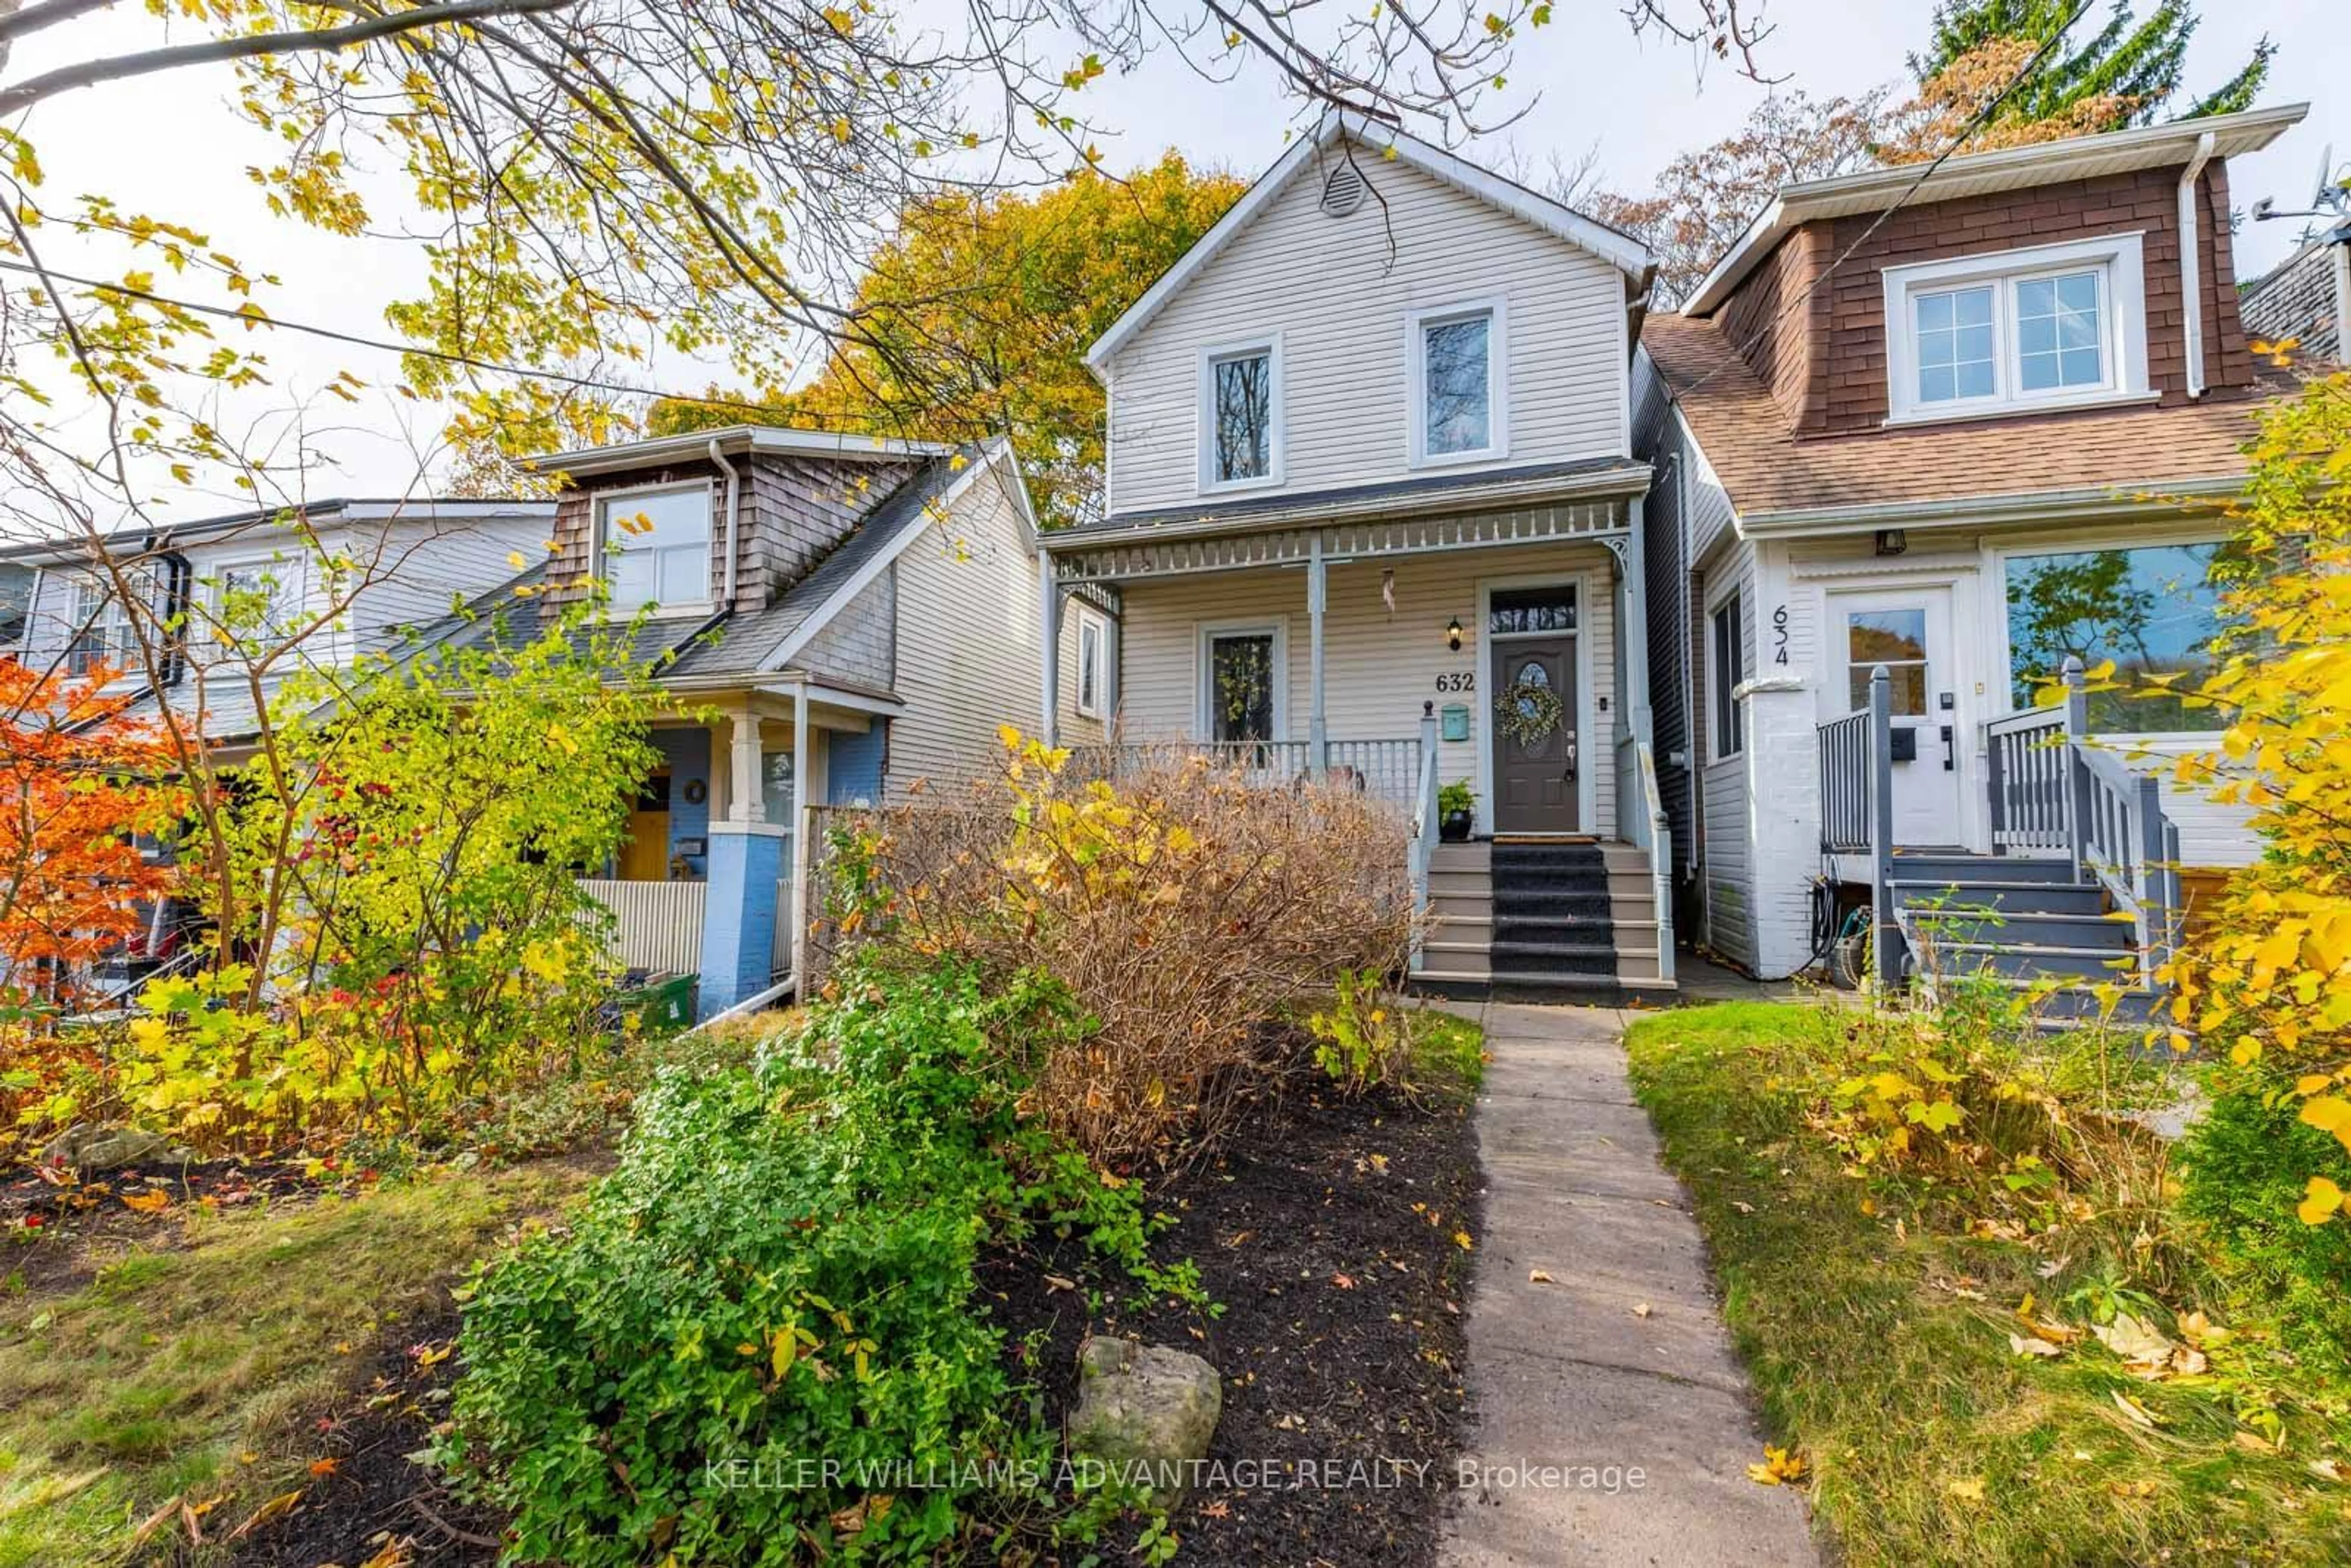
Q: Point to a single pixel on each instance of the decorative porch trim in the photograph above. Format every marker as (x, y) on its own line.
(1605, 522)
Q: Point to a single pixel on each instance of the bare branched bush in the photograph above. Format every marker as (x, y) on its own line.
(1187, 908)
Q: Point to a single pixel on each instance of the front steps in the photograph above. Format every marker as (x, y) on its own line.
(1542, 919)
(2026, 922)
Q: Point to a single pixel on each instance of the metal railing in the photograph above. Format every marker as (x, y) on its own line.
(1844, 784)
(2132, 849)
(1424, 831)
(1661, 856)
(2025, 757)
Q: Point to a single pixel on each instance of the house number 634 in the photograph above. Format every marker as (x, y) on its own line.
(1780, 635)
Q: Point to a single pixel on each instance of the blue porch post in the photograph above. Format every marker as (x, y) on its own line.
(747, 863)
(739, 913)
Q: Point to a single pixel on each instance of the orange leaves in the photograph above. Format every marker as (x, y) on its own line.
(152, 1202)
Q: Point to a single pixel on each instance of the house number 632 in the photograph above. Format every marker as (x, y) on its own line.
(1458, 681)
(1780, 635)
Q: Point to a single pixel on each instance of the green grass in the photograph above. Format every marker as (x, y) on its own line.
(1873, 1356)
(196, 1367)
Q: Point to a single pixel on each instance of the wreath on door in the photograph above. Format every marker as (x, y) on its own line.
(1528, 712)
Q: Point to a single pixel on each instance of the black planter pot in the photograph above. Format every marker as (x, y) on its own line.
(1453, 827)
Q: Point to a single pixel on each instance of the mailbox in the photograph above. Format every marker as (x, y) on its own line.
(1906, 743)
(1453, 721)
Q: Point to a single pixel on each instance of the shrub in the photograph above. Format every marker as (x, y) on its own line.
(1186, 908)
(781, 1269)
(1361, 1039)
(2243, 1169)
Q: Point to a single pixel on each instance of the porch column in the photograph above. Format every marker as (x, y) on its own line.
(738, 911)
(1635, 642)
(1049, 617)
(1318, 729)
(797, 911)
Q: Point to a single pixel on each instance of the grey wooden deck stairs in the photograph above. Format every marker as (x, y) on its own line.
(2026, 922)
(1556, 920)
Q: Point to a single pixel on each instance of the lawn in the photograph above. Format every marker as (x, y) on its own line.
(197, 1362)
(1878, 1332)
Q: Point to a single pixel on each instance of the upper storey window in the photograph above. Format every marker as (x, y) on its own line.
(657, 546)
(2052, 327)
(1241, 415)
(1458, 407)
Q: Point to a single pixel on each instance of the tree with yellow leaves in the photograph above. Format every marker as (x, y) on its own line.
(2266, 980)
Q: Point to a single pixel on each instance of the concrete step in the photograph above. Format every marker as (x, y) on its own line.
(1460, 884)
(1470, 857)
(2025, 897)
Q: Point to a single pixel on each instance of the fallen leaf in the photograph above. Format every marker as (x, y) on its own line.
(1344, 1282)
(2143, 1351)
(2252, 1442)
(1461, 1240)
(1056, 1282)
(1538, 1277)
(2032, 1345)
(1778, 1468)
(1642, 1309)
(2199, 1330)
(1971, 1490)
(278, 1507)
(154, 1202)
(2139, 1414)
(2328, 1470)
(326, 1467)
(1744, 1207)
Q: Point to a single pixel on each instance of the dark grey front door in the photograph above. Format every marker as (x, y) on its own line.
(1534, 779)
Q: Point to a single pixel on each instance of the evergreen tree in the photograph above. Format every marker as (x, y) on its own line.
(2136, 65)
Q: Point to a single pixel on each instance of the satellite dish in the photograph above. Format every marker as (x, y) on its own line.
(2325, 192)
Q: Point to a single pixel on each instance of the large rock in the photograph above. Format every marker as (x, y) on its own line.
(1146, 1408)
(92, 1147)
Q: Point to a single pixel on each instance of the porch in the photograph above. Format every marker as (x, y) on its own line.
(2082, 881)
(1367, 653)
(706, 880)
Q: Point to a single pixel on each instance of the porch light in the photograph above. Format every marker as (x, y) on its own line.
(1453, 634)
(1892, 542)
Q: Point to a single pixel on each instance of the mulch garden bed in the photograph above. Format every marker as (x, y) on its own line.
(1330, 1232)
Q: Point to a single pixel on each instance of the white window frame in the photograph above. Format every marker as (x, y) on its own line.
(599, 530)
(288, 597)
(1099, 625)
(2120, 260)
(108, 617)
(1204, 634)
(1722, 700)
(1204, 414)
(1497, 380)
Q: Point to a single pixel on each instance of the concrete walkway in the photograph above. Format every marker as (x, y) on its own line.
(1575, 1374)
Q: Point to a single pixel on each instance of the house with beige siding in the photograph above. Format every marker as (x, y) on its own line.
(860, 614)
(1374, 515)
(1917, 447)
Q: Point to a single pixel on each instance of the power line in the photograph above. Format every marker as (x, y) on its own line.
(1975, 123)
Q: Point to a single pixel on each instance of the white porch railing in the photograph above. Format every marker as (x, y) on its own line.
(1384, 770)
(1661, 854)
(657, 925)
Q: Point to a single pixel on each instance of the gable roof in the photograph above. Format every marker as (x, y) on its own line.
(1981, 173)
(1620, 250)
(2108, 459)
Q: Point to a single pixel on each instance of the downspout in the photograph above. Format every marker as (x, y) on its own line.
(2192, 281)
(2342, 295)
(733, 518)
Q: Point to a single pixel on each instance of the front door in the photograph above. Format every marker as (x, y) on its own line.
(1533, 726)
(1909, 633)
(644, 854)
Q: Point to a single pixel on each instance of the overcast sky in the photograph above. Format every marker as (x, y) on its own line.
(169, 146)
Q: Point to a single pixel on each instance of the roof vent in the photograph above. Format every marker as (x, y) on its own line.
(1344, 191)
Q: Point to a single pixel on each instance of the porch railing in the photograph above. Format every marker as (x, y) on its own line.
(1844, 784)
(2025, 762)
(1424, 831)
(2052, 787)
(657, 925)
(1661, 856)
(1386, 769)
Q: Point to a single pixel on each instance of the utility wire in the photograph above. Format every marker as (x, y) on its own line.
(1975, 123)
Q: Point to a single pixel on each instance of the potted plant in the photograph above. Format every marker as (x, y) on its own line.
(1456, 811)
